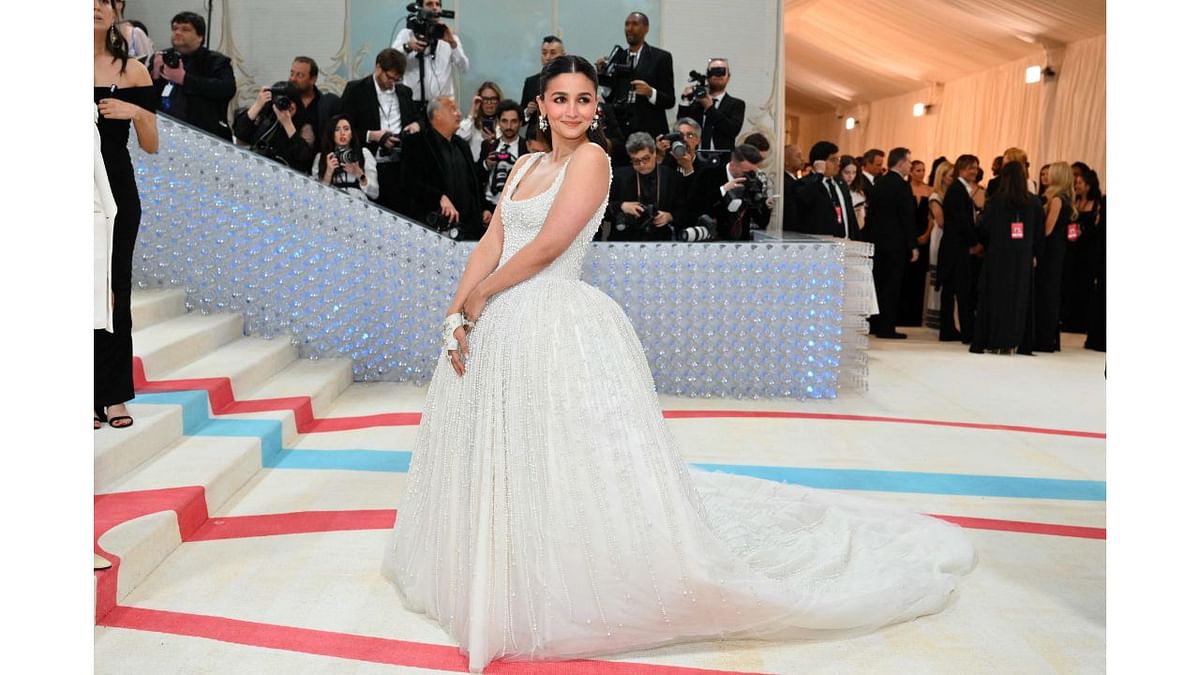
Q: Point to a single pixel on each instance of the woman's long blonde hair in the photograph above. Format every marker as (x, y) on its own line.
(939, 178)
(1062, 182)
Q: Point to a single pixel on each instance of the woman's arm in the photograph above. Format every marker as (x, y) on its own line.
(486, 256)
(1052, 215)
(586, 183)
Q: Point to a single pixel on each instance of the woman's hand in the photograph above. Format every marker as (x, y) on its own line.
(474, 304)
(458, 359)
(116, 109)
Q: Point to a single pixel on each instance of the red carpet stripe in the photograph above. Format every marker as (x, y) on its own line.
(237, 527)
(221, 399)
(361, 647)
(1026, 527)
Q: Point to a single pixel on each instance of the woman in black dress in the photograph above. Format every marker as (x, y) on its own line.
(1011, 232)
(1060, 210)
(1077, 276)
(123, 95)
(912, 293)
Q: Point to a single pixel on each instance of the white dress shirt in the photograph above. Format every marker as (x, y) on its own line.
(439, 80)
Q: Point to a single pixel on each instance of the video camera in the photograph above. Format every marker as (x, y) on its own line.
(424, 22)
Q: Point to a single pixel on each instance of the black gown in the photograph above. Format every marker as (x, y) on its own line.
(912, 294)
(1097, 261)
(1048, 279)
(113, 352)
(1077, 276)
(1006, 278)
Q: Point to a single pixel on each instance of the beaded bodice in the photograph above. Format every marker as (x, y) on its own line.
(523, 219)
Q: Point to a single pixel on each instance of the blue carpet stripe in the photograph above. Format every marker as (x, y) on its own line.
(198, 422)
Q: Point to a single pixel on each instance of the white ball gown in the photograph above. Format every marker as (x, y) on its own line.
(549, 515)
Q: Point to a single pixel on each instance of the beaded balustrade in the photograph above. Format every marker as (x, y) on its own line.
(342, 278)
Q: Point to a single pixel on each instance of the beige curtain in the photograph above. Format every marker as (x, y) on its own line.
(985, 113)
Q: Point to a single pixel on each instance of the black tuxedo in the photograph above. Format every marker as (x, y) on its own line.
(360, 104)
(429, 179)
(705, 199)
(720, 124)
(891, 211)
(203, 99)
(816, 211)
(528, 93)
(663, 188)
(657, 68)
(954, 264)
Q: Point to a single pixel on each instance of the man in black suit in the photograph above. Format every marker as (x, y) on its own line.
(199, 88)
(720, 114)
(635, 188)
(445, 189)
(823, 203)
(652, 84)
(719, 193)
(381, 111)
(959, 242)
(890, 217)
(498, 156)
(552, 48)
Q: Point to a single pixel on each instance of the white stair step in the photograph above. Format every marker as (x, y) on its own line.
(248, 363)
(156, 305)
(219, 464)
(120, 451)
(168, 346)
(142, 544)
(321, 380)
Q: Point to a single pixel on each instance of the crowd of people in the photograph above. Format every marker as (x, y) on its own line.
(1002, 268)
(400, 138)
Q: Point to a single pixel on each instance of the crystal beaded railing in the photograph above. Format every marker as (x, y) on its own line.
(342, 278)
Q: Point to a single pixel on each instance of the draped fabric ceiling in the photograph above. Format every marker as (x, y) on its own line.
(873, 59)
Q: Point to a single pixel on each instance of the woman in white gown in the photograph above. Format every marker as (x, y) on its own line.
(548, 513)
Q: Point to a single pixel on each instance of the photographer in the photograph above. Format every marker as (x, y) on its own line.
(271, 127)
(446, 193)
(433, 51)
(552, 48)
(645, 196)
(194, 83)
(382, 113)
(341, 162)
(640, 80)
(720, 114)
(729, 199)
(499, 155)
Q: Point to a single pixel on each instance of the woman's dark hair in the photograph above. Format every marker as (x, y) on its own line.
(569, 63)
(1092, 180)
(114, 41)
(1013, 191)
(328, 144)
(857, 184)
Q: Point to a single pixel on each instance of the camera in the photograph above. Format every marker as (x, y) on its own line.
(679, 147)
(700, 90)
(346, 154)
(283, 95)
(704, 230)
(171, 58)
(423, 22)
(753, 192)
(385, 150)
(440, 223)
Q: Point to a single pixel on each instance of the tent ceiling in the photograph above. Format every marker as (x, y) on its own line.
(844, 52)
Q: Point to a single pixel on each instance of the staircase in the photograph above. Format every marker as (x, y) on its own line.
(159, 480)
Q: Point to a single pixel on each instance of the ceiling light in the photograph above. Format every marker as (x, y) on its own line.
(850, 122)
